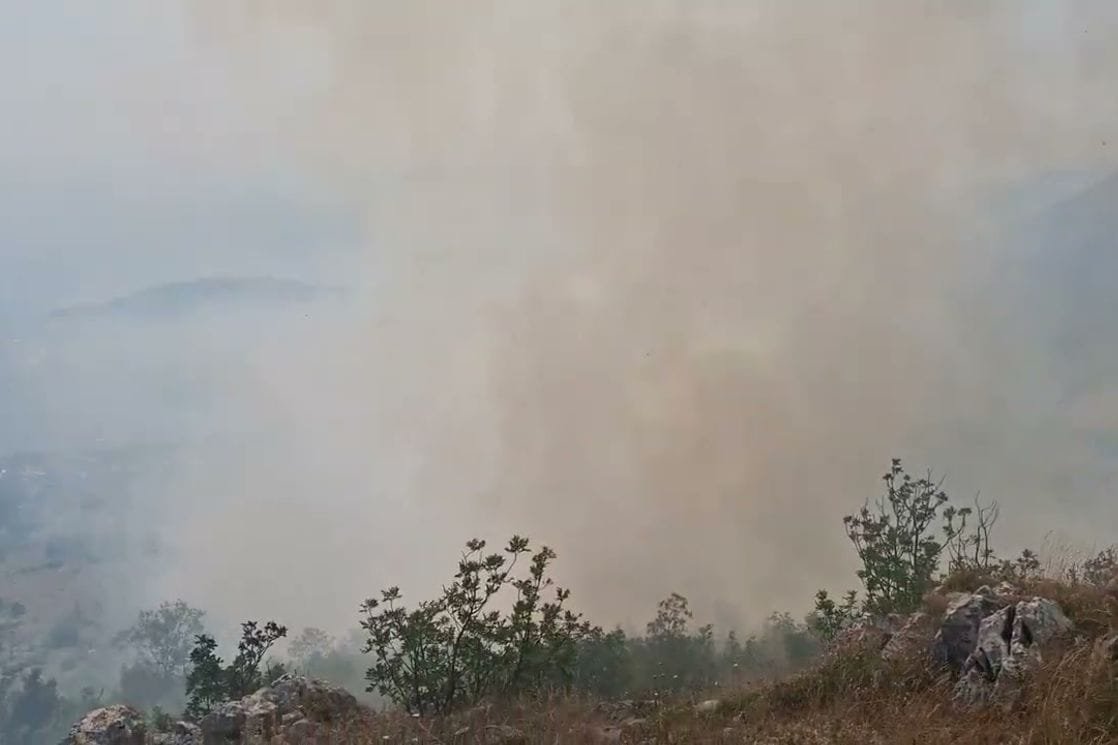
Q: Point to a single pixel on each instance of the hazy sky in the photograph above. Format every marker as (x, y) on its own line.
(652, 280)
(125, 160)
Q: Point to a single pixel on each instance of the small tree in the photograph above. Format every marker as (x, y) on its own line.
(896, 540)
(205, 683)
(32, 708)
(829, 618)
(673, 657)
(244, 674)
(164, 637)
(209, 682)
(410, 649)
(971, 550)
(1099, 570)
(604, 664)
(543, 635)
(459, 648)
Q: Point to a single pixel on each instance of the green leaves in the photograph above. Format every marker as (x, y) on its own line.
(898, 544)
(458, 648)
(209, 683)
(829, 618)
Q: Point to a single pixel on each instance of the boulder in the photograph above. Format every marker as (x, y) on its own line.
(300, 732)
(234, 721)
(294, 705)
(1009, 644)
(112, 725)
(316, 699)
(867, 633)
(912, 638)
(958, 632)
(183, 733)
(710, 706)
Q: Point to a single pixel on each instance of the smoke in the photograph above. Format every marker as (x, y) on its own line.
(663, 284)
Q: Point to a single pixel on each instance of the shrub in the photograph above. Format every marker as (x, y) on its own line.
(209, 682)
(828, 618)
(458, 649)
(671, 657)
(604, 664)
(1098, 570)
(897, 541)
(31, 709)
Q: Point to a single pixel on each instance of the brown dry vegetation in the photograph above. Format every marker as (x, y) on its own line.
(853, 697)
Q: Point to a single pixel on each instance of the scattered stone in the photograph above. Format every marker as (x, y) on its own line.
(709, 706)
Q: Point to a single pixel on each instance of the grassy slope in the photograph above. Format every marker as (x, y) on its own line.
(850, 698)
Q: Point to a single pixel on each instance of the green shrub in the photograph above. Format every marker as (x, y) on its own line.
(459, 648)
(897, 540)
(209, 682)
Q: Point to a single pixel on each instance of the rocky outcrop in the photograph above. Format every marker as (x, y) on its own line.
(989, 639)
(294, 706)
(958, 633)
(911, 639)
(868, 633)
(1009, 645)
(183, 733)
(293, 711)
(112, 725)
(236, 721)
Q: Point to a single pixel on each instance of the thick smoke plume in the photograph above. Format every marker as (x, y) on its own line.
(663, 284)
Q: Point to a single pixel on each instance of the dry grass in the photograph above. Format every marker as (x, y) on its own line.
(1073, 699)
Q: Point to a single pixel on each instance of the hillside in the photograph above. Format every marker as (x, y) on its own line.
(985, 650)
(925, 677)
(212, 293)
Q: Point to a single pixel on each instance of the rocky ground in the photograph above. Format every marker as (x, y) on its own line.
(1033, 662)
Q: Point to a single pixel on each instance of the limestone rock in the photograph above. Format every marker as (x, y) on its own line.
(183, 733)
(958, 632)
(709, 706)
(112, 725)
(1009, 645)
(911, 638)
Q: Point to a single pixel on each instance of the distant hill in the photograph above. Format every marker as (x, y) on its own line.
(186, 297)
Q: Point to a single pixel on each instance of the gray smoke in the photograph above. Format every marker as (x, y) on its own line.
(663, 284)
